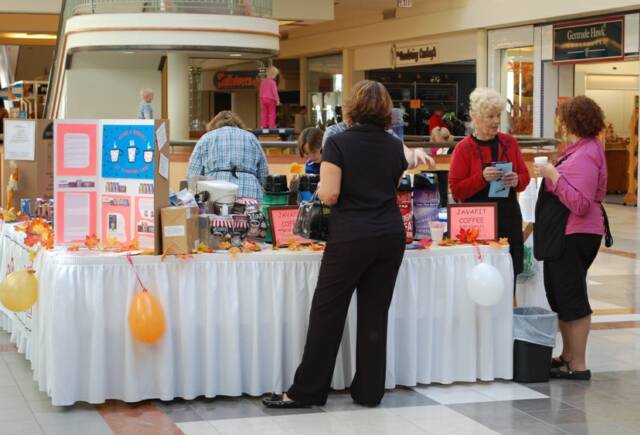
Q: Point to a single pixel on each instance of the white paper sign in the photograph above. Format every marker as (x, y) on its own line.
(161, 136)
(76, 215)
(19, 140)
(76, 150)
(163, 167)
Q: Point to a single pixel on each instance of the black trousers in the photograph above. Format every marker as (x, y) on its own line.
(371, 266)
(565, 279)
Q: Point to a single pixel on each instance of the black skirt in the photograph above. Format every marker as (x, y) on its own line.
(565, 278)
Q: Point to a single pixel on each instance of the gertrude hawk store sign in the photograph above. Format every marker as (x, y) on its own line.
(402, 55)
(587, 41)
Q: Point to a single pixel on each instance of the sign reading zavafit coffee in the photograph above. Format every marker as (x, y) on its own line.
(587, 41)
(406, 55)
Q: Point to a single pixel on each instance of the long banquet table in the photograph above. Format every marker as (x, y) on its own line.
(238, 325)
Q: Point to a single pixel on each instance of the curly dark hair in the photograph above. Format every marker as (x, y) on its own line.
(369, 103)
(582, 116)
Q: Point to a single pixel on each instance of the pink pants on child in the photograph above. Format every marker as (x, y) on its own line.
(268, 115)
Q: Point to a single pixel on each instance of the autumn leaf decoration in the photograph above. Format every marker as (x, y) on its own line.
(468, 235)
(91, 241)
(38, 231)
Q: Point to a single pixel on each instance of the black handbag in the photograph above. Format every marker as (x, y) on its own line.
(312, 221)
(548, 230)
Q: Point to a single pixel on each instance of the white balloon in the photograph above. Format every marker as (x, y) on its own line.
(485, 285)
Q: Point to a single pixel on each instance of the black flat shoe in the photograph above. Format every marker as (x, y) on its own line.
(575, 375)
(558, 362)
(275, 401)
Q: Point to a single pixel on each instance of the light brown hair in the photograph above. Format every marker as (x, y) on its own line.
(311, 136)
(225, 118)
(368, 103)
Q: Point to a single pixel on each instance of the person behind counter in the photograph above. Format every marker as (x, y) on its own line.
(310, 147)
(360, 171)
(436, 119)
(228, 152)
(473, 169)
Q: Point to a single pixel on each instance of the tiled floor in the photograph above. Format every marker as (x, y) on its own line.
(609, 404)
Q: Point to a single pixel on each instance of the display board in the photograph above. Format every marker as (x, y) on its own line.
(35, 176)
(110, 180)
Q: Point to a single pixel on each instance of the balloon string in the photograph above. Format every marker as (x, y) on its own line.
(478, 253)
(130, 260)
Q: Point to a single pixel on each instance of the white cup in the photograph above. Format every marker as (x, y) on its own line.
(541, 160)
(437, 231)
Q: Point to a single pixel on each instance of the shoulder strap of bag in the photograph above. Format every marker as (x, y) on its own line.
(608, 237)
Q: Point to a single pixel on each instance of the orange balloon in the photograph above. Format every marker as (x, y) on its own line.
(146, 318)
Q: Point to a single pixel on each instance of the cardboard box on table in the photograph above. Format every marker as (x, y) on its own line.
(35, 176)
(111, 178)
(180, 230)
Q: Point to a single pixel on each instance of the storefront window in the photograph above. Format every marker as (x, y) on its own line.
(517, 87)
(325, 90)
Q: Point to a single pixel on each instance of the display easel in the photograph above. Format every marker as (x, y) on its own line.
(631, 198)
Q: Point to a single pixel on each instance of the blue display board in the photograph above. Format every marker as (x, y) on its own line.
(127, 151)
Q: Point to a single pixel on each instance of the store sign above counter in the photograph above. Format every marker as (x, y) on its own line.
(414, 54)
(588, 41)
(234, 80)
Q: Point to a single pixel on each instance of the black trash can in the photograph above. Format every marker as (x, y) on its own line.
(534, 333)
(531, 362)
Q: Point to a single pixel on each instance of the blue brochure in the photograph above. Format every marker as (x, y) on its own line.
(497, 189)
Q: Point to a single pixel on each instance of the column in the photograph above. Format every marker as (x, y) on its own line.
(349, 75)
(304, 84)
(178, 94)
(481, 58)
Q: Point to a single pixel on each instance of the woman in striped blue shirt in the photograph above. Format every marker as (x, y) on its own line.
(228, 152)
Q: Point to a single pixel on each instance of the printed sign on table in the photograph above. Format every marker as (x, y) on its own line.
(19, 139)
(106, 180)
(483, 216)
(282, 221)
(75, 216)
(127, 151)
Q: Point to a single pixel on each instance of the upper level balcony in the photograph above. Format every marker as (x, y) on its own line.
(253, 8)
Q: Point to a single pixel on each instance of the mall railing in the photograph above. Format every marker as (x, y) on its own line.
(528, 144)
(69, 8)
(255, 8)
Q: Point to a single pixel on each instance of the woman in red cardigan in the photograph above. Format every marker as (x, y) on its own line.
(473, 168)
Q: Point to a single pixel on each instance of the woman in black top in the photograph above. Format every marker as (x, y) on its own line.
(360, 171)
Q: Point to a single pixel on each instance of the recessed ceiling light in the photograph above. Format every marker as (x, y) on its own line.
(235, 55)
(17, 35)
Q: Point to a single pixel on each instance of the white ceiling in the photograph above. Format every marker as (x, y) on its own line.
(31, 6)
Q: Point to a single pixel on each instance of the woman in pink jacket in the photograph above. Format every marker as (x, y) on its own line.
(570, 224)
(269, 98)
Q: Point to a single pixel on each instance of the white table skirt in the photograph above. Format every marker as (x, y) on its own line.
(14, 253)
(238, 325)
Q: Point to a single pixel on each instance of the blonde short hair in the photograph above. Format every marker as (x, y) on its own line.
(272, 71)
(440, 134)
(483, 100)
(146, 91)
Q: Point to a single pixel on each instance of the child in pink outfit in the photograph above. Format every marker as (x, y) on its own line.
(269, 98)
